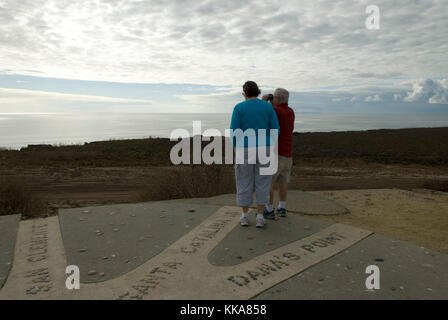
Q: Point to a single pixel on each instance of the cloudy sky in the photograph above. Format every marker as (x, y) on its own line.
(193, 56)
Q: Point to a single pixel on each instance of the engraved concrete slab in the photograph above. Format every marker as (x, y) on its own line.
(182, 271)
(243, 244)
(298, 202)
(109, 241)
(407, 271)
(212, 257)
(38, 271)
(8, 233)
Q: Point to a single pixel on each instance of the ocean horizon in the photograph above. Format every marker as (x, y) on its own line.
(18, 130)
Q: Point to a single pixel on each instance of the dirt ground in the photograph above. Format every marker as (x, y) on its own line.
(419, 216)
(353, 168)
(388, 199)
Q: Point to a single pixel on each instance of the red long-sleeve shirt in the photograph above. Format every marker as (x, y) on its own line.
(286, 118)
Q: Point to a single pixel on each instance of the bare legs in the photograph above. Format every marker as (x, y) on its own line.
(282, 193)
(260, 209)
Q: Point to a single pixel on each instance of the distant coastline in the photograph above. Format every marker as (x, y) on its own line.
(20, 130)
(427, 146)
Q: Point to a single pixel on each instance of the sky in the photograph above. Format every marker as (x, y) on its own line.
(193, 56)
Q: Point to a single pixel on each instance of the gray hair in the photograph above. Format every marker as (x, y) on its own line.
(282, 95)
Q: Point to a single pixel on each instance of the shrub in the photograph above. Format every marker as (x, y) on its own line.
(16, 199)
(190, 182)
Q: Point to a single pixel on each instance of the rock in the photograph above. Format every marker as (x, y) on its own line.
(307, 227)
(191, 210)
(379, 260)
(91, 273)
(116, 229)
(102, 274)
(82, 250)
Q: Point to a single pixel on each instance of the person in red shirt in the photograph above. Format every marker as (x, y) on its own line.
(286, 118)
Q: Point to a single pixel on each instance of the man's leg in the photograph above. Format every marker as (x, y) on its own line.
(269, 212)
(282, 194)
(270, 205)
(283, 181)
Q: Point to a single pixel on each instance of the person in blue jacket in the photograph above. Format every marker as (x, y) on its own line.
(252, 125)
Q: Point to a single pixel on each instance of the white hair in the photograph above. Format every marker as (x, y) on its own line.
(282, 95)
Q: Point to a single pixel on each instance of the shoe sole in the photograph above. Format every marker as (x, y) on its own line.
(260, 226)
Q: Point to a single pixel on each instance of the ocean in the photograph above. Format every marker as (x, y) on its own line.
(19, 130)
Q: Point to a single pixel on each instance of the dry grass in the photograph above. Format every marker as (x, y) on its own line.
(190, 182)
(16, 199)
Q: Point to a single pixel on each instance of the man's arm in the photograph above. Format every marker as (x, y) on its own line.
(273, 122)
(274, 125)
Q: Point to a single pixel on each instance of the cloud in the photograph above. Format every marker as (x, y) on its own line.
(375, 98)
(429, 90)
(19, 100)
(316, 43)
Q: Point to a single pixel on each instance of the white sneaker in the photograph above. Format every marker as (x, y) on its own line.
(244, 221)
(260, 221)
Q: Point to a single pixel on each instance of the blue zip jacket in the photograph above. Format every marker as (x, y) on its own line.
(254, 114)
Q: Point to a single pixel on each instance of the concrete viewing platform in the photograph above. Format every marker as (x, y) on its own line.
(196, 249)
